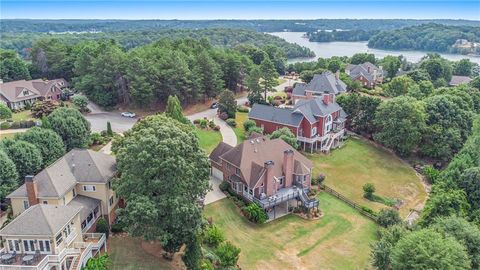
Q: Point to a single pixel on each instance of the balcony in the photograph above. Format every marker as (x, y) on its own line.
(282, 195)
(98, 240)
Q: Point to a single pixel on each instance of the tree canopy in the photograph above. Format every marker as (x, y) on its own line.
(72, 127)
(47, 141)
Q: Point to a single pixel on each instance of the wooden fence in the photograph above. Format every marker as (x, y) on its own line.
(357, 206)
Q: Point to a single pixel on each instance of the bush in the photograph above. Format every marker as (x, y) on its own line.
(388, 217)
(117, 227)
(81, 102)
(96, 139)
(247, 125)
(231, 122)
(368, 190)
(242, 109)
(431, 173)
(203, 123)
(318, 180)
(109, 130)
(22, 124)
(211, 124)
(197, 121)
(255, 213)
(255, 130)
(228, 254)
(206, 265)
(5, 112)
(368, 210)
(223, 116)
(213, 236)
(216, 128)
(5, 125)
(224, 186)
(102, 227)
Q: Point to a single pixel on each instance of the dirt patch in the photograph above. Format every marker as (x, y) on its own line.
(154, 249)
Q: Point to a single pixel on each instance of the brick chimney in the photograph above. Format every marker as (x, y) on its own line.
(326, 98)
(270, 185)
(369, 69)
(337, 75)
(288, 167)
(32, 192)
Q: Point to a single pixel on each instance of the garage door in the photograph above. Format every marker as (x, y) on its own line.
(217, 173)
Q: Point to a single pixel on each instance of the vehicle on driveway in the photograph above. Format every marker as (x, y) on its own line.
(128, 114)
(214, 105)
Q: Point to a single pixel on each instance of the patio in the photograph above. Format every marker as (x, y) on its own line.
(27, 261)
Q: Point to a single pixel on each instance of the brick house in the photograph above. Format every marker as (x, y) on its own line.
(81, 178)
(318, 123)
(327, 82)
(367, 74)
(268, 172)
(17, 94)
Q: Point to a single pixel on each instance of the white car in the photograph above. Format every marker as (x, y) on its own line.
(128, 114)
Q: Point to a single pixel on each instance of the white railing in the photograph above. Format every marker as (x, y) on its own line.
(49, 259)
(86, 255)
(100, 237)
(73, 234)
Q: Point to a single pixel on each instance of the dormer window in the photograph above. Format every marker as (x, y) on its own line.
(25, 92)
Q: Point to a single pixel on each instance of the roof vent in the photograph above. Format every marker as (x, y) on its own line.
(252, 142)
(258, 141)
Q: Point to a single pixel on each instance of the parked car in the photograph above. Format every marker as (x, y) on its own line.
(214, 105)
(128, 114)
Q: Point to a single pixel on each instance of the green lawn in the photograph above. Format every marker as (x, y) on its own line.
(208, 139)
(22, 116)
(4, 136)
(347, 169)
(127, 253)
(240, 118)
(338, 240)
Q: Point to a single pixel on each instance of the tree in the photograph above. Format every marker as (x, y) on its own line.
(269, 76)
(228, 254)
(388, 217)
(254, 89)
(47, 141)
(12, 67)
(444, 203)
(382, 249)
(391, 64)
(98, 263)
(26, 156)
(109, 129)
(361, 111)
(400, 124)
(43, 108)
(399, 86)
(360, 58)
(464, 232)
(72, 127)
(419, 75)
(209, 74)
(470, 183)
(437, 68)
(5, 112)
(427, 249)
(227, 103)
(174, 110)
(193, 254)
(334, 65)
(368, 190)
(163, 174)
(102, 227)
(463, 67)
(81, 102)
(8, 175)
(286, 135)
(421, 90)
(475, 82)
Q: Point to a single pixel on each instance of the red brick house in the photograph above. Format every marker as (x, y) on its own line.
(318, 123)
(367, 74)
(268, 172)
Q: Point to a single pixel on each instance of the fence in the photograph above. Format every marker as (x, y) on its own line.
(357, 206)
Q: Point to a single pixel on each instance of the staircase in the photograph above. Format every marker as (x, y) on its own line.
(307, 202)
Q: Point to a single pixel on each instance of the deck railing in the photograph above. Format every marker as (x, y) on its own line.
(274, 200)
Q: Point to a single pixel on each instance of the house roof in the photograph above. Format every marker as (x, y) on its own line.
(276, 115)
(41, 220)
(299, 89)
(362, 70)
(326, 83)
(456, 80)
(251, 155)
(78, 165)
(221, 149)
(87, 205)
(315, 107)
(37, 88)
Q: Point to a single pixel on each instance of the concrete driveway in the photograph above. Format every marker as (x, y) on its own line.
(98, 119)
(215, 194)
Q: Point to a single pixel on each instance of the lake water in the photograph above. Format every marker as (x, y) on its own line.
(329, 49)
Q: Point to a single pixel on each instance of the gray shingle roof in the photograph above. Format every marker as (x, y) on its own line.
(87, 205)
(326, 83)
(41, 220)
(456, 80)
(362, 69)
(315, 107)
(299, 89)
(78, 165)
(274, 114)
(37, 88)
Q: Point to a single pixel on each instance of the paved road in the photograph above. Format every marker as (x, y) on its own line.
(98, 119)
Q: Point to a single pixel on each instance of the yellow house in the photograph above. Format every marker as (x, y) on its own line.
(81, 178)
(48, 237)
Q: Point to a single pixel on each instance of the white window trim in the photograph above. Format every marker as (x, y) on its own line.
(89, 188)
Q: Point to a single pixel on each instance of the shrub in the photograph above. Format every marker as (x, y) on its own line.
(206, 265)
(216, 128)
(247, 125)
(197, 121)
(228, 254)
(242, 109)
(211, 124)
(213, 236)
(368, 190)
(388, 217)
(431, 173)
(255, 213)
(368, 210)
(255, 130)
(96, 139)
(102, 227)
(224, 186)
(81, 102)
(203, 123)
(22, 124)
(5, 112)
(43, 108)
(318, 180)
(5, 125)
(223, 116)
(231, 122)
(117, 227)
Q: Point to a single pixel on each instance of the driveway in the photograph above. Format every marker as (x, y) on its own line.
(98, 119)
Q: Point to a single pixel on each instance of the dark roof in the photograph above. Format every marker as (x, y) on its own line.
(86, 203)
(362, 70)
(299, 89)
(456, 80)
(326, 83)
(315, 107)
(221, 149)
(276, 115)
(78, 165)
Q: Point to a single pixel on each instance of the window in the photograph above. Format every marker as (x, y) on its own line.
(25, 205)
(13, 245)
(63, 199)
(328, 123)
(25, 92)
(88, 188)
(74, 192)
(44, 245)
(67, 230)
(314, 131)
(281, 181)
(59, 239)
(237, 171)
(90, 217)
(45, 202)
(109, 184)
(29, 245)
(84, 224)
(111, 200)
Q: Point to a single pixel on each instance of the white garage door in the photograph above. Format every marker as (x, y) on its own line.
(217, 173)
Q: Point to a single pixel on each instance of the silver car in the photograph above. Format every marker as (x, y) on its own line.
(128, 114)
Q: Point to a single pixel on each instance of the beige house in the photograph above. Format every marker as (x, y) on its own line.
(18, 94)
(48, 237)
(81, 178)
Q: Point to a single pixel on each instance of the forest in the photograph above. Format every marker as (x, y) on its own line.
(427, 37)
(336, 35)
(22, 42)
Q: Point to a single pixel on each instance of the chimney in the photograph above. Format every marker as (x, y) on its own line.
(326, 98)
(332, 98)
(369, 69)
(337, 74)
(288, 167)
(270, 181)
(32, 192)
(309, 94)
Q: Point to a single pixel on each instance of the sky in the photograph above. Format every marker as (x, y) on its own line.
(240, 9)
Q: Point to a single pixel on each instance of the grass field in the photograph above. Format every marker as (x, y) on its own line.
(208, 139)
(4, 136)
(338, 240)
(347, 169)
(240, 118)
(22, 116)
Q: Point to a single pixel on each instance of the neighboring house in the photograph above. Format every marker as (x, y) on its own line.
(81, 178)
(268, 172)
(47, 237)
(367, 74)
(457, 80)
(318, 123)
(18, 94)
(327, 82)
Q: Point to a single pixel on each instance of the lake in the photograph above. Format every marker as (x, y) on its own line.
(329, 49)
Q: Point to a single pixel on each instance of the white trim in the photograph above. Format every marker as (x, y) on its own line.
(276, 122)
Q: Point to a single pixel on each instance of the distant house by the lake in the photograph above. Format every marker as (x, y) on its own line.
(457, 80)
(367, 74)
(327, 82)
